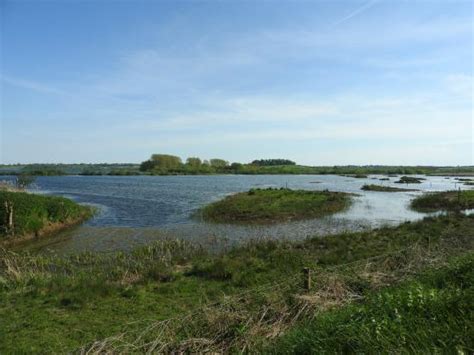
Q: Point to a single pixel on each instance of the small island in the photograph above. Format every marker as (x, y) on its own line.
(263, 206)
(381, 188)
(444, 201)
(410, 180)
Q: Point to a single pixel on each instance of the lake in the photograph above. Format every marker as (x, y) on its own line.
(135, 210)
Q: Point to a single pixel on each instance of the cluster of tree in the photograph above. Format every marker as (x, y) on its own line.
(166, 164)
(272, 162)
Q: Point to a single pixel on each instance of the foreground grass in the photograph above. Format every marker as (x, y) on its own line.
(275, 205)
(382, 188)
(34, 214)
(254, 289)
(446, 201)
(430, 314)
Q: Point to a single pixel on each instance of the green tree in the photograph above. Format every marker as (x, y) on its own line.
(193, 162)
(236, 166)
(166, 161)
(147, 165)
(219, 163)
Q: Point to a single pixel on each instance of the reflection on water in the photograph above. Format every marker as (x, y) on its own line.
(136, 210)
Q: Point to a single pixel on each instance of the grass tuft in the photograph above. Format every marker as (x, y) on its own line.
(445, 201)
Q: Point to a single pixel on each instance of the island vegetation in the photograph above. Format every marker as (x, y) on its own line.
(410, 180)
(407, 288)
(356, 176)
(383, 188)
(444, 201)
(275, 205)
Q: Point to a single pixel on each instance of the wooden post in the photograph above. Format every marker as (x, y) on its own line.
(307, 278)
(9, 218)
(459, 196)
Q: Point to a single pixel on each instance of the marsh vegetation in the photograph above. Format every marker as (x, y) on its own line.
(275, 205)
(444, 201)
(177, 296)
(383, 188)
(410, 180)
(24, 215)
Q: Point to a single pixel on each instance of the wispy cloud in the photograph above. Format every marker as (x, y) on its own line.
(355, 12)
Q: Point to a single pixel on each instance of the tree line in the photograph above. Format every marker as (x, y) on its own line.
(165, 164)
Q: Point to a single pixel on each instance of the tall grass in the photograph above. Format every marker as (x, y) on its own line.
(430, 314)
(446, 200)
(176, 296)
(32, 213)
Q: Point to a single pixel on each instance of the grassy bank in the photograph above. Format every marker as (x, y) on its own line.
(444, 201)
(24, 215)
(275, 205)
(175, 296)
(382, 188)
(430, 314)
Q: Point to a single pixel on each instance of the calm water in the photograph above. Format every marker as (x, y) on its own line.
(138, 209)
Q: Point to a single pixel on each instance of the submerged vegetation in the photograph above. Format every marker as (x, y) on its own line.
(177, 297)
(444, 201)
(382, 188)
(275, 205)
(23, 214)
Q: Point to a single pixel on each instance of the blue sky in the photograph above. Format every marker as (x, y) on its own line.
(319, 82)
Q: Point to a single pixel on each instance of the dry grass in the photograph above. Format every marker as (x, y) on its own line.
(242, 321)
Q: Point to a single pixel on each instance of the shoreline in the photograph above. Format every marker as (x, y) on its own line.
(48, 231)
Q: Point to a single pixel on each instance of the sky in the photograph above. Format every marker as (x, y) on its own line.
(318, 82)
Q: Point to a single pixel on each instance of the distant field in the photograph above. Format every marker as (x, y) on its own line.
(235, 168)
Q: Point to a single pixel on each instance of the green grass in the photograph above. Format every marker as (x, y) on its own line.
(446, 201)
(44, 298)
(275, 205)
(384, 188)
(32, 213)
(431, 314)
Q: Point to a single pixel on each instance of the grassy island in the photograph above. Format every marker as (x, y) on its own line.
(410, 180)
(24, 215)
(356, 176)
(384, 188)
(444, 201)
(275, 205)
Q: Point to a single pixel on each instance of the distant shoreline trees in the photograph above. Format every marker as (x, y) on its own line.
(273, 162)
(171, 164)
